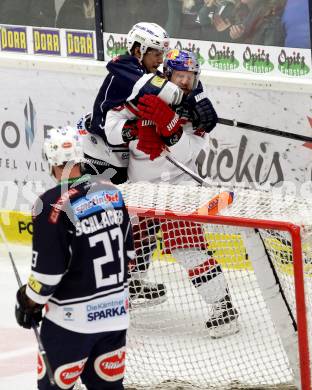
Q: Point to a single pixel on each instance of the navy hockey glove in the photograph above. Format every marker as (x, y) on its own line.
(203, 115)
(27, 312)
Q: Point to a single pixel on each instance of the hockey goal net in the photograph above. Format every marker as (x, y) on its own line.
(263, 243)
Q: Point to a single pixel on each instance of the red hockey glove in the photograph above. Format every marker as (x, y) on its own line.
(153, 108)
(149, 141)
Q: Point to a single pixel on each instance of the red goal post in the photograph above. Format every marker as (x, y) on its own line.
(187, 203)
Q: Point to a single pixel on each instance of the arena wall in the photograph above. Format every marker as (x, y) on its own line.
(39, 92)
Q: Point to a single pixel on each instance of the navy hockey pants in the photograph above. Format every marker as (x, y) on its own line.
(99, 358)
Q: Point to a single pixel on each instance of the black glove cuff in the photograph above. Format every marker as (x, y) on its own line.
(130, 131)
(174, 138)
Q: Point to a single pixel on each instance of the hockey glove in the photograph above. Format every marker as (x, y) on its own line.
(203, 115)
(168, 122)
(129, 131)
(27, 312)
(149, 141)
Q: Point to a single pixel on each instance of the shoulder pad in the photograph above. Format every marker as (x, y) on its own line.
(150, 84)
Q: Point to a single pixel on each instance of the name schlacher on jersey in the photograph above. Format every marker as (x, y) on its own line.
(94, 223)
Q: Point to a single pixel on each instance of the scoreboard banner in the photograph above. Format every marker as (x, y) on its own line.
(48, 41)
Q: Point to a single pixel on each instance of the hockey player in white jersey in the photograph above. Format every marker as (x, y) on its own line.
(182, 131)
(82, 244)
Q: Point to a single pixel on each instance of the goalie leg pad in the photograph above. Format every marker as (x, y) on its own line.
(204, 272)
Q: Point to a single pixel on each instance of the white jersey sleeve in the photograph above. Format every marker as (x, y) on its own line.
(115, 121)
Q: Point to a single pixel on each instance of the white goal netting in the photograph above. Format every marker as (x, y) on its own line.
(182, 269)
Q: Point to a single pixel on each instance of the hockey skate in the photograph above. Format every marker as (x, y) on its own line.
(223, 319)
(144, 293)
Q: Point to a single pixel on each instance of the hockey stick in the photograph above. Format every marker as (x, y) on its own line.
(186, 170)
(34, 327)
(266, 130)
(215, 204)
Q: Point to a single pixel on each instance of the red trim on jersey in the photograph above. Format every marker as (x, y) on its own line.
(56, 208)
(131, 109)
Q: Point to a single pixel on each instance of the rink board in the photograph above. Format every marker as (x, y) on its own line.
(17, 226)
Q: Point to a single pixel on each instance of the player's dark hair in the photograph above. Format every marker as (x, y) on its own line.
(134, 46)
(138, 44)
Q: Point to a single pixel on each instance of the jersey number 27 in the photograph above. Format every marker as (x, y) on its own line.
(106, 239)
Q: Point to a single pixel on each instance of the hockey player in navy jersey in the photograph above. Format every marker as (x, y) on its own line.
(82, 243)
(146, 45)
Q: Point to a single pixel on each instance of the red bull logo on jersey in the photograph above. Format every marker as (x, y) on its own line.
(97, 201)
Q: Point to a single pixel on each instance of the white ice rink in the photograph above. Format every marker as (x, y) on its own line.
(17, 345)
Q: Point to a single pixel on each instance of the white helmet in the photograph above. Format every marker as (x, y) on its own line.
(149, 35)
(62, 145)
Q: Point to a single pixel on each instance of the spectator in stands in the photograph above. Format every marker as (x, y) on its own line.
(217, 16)
(130, 12)
(28, 12)
(121, 10)
(296, 24)
(183, 18)
(263, 25)
(77, 14)
(154, 11)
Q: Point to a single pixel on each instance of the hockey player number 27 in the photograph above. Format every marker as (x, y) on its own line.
(106, 239)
